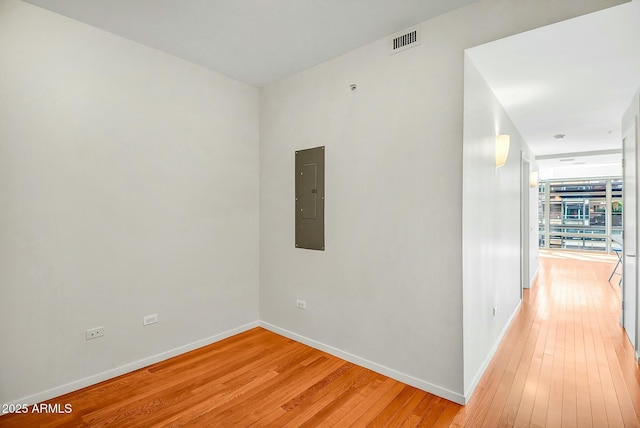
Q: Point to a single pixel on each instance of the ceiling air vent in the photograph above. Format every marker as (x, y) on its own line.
(405, 39)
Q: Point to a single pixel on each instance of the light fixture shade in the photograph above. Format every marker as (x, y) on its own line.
(502, 149)
(533, 178)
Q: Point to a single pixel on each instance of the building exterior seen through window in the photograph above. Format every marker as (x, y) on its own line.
(580, 215)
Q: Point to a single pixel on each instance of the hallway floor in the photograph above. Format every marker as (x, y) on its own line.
(565, 361)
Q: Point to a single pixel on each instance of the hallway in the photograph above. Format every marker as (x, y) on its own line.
(565, 360)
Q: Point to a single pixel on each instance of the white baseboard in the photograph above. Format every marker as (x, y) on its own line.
(127, 368)
(109, 374)
(534, 277)
(402, 377)
(487, 360)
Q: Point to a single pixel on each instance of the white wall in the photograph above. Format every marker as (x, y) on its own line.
(581, 171)
(491, 225)
(383, 290)
(388, 289)
(631, 118)
(128, 186)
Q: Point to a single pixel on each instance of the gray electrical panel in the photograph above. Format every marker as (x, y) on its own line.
(310, 198)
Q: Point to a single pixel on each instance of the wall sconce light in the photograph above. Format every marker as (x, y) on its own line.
(533, 178)
(502, 149)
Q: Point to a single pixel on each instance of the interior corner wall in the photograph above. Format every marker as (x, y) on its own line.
(491, 224)
(388, 289)
(129, 186)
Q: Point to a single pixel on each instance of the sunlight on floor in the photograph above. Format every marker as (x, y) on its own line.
(578, 255)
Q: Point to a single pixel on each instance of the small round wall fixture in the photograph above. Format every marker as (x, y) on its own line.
(353, 86)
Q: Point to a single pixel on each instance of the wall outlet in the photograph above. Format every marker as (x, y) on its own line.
(150, 319)
(92, 333)
(301, 304)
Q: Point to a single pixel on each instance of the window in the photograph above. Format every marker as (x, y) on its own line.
(579, 215)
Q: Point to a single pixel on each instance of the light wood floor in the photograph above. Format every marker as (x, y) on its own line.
(564, 362)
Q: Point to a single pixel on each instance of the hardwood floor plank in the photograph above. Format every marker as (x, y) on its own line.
(583, 397)
(315, 399)
(393, 407)
(447, 416)
(411, 422)
(249, 408)
(369, 417)
(514, 399)
(554, 407)
(223, 388)
(317, 409)
(598, 411)
(625, 405)
(614, 415)
(598, 367)
(538, 415)
(532, 380)
(433, 412)
(361, 410)
(335, 413)
(569, 405)
(406, 410)
(496, 407)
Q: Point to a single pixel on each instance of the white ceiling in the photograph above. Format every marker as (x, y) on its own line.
(254, 41)
(576, 78)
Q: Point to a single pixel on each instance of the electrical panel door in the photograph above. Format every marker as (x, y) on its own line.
(310, 198)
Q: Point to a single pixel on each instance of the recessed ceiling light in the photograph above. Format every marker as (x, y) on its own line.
(559, 136)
